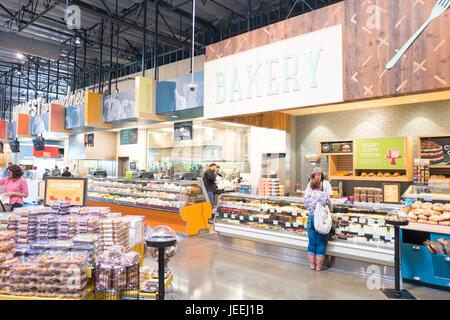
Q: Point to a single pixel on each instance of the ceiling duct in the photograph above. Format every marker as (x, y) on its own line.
(26, 45)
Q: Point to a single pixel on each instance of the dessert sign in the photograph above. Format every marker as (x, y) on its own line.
(65, 189)
(380, 154)
(436, 149)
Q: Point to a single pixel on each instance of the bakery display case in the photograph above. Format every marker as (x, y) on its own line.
(359, 229)
(181, 205)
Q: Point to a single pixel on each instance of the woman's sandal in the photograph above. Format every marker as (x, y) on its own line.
(312, 267)
(323, 268)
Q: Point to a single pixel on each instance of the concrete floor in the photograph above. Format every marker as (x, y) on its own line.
(203, 270)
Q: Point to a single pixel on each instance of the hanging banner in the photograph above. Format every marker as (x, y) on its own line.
(40, 124)
(3, 128)
(183, 131)
(75, 116)
(297, 72)
(380, 154)
(11, 132)
(23, 125)
(145, 90)
(179, 94)
(128, 136)
(87, 114)
(120, 106)
(57, 118)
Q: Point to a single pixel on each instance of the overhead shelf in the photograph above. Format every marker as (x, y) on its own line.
(358, 178)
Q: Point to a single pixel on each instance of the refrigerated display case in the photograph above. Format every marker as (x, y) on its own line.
(181, 205)
(359, 229)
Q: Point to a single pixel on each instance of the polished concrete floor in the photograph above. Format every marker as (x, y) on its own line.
(205, 270)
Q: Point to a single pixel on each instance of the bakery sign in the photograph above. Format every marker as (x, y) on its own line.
(296, 72)
(436, 149)
(380, 154)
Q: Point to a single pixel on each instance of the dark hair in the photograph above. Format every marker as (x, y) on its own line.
(321, 179)
(16, 171)
(213, 165)
(315, 185)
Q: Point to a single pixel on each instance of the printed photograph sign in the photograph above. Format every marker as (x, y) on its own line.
(381, 154)
(40, 124)
(183, 131)
(75, 116)
(129, 136)
(120, 106)
(436, 149)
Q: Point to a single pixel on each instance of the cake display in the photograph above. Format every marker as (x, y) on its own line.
(432, 151)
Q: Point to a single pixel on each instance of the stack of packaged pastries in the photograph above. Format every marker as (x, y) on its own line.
(429, 213)
(56, 275)
(7, 245)
(114, 231)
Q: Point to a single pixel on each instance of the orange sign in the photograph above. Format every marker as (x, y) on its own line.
(94, 111)
(65, 189)
(3, 126)
(57, 118)
(23, 125)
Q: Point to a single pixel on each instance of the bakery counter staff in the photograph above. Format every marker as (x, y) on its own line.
(15, 188)
(325, 185)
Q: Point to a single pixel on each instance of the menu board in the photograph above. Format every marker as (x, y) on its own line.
(436, 149)
(183, 131)
(128, 136)
(337, 147)
(380, 154)
(65, 189)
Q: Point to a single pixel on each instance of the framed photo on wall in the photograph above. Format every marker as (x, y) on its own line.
(391, 193)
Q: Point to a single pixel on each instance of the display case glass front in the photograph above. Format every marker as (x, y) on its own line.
(360, 224)
(160, 195)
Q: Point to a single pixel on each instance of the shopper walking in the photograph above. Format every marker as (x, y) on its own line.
(66, 172)
(5, 171)
(209, 180)
(318, 176)
(317, 245)
(46, 174)
(15, 187)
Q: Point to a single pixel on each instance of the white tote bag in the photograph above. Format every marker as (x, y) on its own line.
(322, 219)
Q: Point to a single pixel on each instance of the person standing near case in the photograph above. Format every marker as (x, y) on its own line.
(317, 245)
(325, 185)
(15, 187)
(209, 180)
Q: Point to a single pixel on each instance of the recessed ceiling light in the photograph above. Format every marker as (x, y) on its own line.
(174, 116)
(20, 56)
(77, 40)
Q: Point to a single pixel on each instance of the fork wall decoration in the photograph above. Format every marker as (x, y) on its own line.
(373, 32)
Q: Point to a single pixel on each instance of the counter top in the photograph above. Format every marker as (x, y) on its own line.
(428, 228)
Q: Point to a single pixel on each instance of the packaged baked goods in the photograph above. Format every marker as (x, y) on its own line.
(432, 222)
(445, 223)
(412, 216)
(428, 212)
(427, 206)
(447, 207)
(422, 217)
(422, 220)
(438, 207)
(417, 205)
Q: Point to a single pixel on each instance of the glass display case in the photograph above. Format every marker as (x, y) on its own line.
(149, 194)
(358, 228)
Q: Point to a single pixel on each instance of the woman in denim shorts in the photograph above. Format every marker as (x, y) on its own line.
(317, 245)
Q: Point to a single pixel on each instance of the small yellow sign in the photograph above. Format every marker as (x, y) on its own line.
(391, 192)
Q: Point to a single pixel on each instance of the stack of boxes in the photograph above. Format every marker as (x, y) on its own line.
(114, 232)
(270, 187)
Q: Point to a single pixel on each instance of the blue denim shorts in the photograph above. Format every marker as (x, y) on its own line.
(317, 245)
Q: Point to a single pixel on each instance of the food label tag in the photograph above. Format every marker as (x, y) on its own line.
(371, 221)
(361, 234)
(233, 216)
(427, 199)
(376, 236)
(362, 220)
(261, 220)
(345, 218)
(241, 218)
(387, 238)
(288, 225)
(250, 218)
(294, 213)
(295, 225)
(275, 222)
(381, 222)
(354, 219)
(225, 215)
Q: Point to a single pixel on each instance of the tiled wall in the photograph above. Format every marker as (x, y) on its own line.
(395, 121)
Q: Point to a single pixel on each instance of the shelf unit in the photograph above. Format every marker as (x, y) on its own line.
(345, 162)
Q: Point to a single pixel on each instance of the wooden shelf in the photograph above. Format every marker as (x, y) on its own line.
(439, 167)
(357, 178)
(338, 154)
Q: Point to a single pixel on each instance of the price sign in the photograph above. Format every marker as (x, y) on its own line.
(354, 219)
(272, 210)
(387, 238)
(241, 218)
(345, 218)
(294, 213)
(376, 236)
(427, 199)
(381, 222)
(233, 216)
(361, 234)
(250, 218)
(362, 220)
(225, 215)
(295, 224)
(288, 225)
(275, 222)
(371, 221)
(261, 220)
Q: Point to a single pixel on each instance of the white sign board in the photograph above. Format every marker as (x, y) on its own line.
(301, 71)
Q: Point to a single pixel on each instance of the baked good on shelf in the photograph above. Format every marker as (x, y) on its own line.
(446, 215)
(418, 211)
(444, 223)
(371, 174)
(437, 218)
(417, 205)
(432, 222)
(388, 174)
(380, 174)
(364, 174)
(428, 212)
(396, 174)
(447, 207)
(422, 217)
(427, 205)
(412, 216)
(438, 207)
